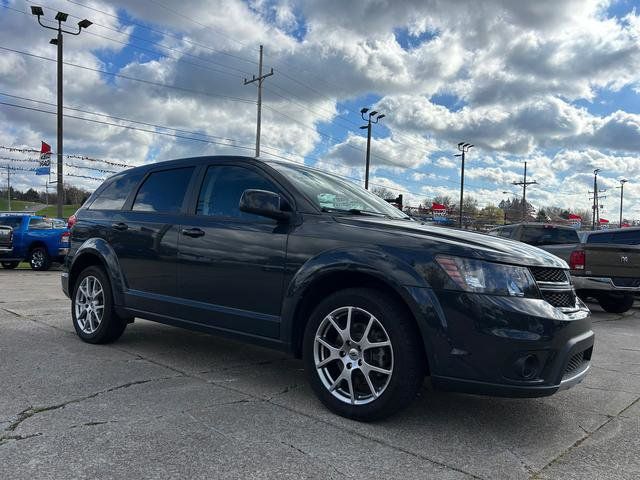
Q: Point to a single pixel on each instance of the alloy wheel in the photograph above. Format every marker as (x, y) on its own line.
(89, 304)
(37, 259)
(353, 355)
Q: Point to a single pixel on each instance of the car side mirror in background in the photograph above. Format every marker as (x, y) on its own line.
(264, 203)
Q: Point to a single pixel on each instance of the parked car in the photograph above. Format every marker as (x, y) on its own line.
(35, 239)
(6, 239)
(560, 240)
(605, 266)
(292, 258)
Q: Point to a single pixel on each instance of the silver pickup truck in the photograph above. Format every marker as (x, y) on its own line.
(604, 266)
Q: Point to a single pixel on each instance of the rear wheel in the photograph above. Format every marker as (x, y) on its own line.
(94, 318)
(616, 302)
(10, 265)
(363, 355)
(39, 259)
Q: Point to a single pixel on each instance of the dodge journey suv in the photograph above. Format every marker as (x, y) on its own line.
(288, 257)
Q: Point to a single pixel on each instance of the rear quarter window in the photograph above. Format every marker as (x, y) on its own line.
(40, 224)
(113, 196)
(163, 191)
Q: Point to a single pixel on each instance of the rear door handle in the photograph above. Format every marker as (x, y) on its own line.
(192, 232)
(120, 226)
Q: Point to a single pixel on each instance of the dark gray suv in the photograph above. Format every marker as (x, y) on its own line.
(292, 258)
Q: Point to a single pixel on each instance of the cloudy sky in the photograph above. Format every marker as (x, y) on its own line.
(552, 82)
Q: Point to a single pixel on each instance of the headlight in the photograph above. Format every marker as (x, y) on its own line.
(487, 277)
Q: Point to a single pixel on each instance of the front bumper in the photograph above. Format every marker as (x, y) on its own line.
(505, 346)
(600, 283)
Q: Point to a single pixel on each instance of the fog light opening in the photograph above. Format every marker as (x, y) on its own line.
(528, 366)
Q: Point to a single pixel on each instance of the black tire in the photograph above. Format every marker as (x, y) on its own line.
(39, 259)
(10, 265)
(406, 353)
(616, 302)
(111, 326)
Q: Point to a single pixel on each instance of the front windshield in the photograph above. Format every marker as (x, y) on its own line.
(331, 193)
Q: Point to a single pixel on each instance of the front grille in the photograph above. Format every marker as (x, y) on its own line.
(544, 274)
(626, 282)
(564, 299)
(576, 363)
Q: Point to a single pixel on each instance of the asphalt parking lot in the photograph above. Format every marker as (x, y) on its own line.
(164, 402)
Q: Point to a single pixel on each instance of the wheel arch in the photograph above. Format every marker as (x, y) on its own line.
(98, 252)
(311, 285)
(35, 244)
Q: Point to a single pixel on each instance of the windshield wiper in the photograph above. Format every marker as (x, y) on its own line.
(354, 211)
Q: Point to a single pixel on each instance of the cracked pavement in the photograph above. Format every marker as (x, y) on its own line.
(164, 402)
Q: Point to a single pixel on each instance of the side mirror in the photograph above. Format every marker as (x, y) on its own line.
(264, 203)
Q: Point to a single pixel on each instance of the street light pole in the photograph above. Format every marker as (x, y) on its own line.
(378, 116)
(463, 148)
(622, 182)
(61, 18)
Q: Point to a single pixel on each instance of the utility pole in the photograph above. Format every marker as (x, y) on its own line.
(622, 182)
(61, 18)
(524, 184)
(463, 148)
(595, 199)
(377, 117)
(259, 79)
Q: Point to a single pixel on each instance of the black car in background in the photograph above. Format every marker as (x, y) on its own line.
(289, 257)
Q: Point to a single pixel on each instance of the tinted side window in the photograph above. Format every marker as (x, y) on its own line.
(115, 194)
(163, 191)
(507, 232)
(629, 237)
(548, 235)
(599, 238)
(13, 222)
(40, 224)
(222, 188)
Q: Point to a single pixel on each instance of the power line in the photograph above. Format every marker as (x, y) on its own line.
(125, 126)
(134, 79)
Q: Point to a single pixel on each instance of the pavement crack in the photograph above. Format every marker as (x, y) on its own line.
(32, 411)
(8, 438)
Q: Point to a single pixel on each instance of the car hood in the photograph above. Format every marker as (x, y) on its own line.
(461, 242)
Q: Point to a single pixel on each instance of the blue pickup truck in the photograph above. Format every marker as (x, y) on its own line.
(38, 240)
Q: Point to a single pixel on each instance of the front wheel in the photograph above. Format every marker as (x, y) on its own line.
(94, 318)
(39, 259)
(363, 354)
(616, 302)
(10, 265)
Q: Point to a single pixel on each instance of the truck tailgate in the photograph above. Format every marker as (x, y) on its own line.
(615, 261)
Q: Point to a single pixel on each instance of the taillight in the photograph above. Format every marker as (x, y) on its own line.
(65, 237)
(577, 260)
(72, 221)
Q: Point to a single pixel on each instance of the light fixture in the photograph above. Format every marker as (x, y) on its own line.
(35, 10)
(61, 16)
(84, 23)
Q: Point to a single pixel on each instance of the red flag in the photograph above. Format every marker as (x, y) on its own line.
(573, 216)
(45, 148)
(437, 206)
(604, 220)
